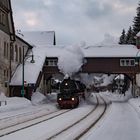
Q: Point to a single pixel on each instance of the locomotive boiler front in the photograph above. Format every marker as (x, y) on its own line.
(68, 96)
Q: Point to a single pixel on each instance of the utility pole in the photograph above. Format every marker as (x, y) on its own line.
(22, 91)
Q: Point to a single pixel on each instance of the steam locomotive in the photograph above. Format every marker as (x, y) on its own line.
(70, 93)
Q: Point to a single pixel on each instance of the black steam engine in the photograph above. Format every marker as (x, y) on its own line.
(70, 93)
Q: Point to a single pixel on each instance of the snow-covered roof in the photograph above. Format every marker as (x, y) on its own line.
(111, 51)
(38, 38)
(97, 51)
(32, 70)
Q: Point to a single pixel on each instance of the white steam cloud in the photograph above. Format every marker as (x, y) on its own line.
(71, 61)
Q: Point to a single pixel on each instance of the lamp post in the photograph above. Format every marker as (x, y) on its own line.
(137, 63)
(23, 64)
(22, 91)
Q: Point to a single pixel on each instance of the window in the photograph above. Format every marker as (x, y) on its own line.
(4, 74)
(7, 53)
(51, 62)
(12, 52)
(20, 55)
(2, 18)
(5, 49)
(132, 62)
(127, 62)
(16, 52)
(122, 62)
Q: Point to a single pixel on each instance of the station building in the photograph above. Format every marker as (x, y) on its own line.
(108, 59)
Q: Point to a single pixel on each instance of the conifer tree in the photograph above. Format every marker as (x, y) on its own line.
(122, 38)
(129, 36)
(136, 25)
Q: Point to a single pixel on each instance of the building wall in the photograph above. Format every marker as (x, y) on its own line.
(109, 65)
(6, 29)
(100, 65)
(11, 55)
(4, 59)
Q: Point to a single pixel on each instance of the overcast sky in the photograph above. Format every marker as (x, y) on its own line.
(75, 20)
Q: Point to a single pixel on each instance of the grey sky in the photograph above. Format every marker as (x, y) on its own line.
(75, 20)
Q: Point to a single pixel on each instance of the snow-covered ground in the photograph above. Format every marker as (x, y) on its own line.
(121, 122)
(20, 105)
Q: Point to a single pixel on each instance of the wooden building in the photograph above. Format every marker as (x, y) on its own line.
(109, 59)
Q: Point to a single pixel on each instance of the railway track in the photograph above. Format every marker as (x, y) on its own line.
(86, 122)
(31, 122)
(93, 123)
(73, 127)
(22, 117)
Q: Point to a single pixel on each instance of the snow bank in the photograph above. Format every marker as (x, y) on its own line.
(89, 79)
(2, 96)
(92, 98)
(116, 97)
(107, 80)
(71, 60)
(135, 103)
(37, 98)
(14, 103)
(137, 79)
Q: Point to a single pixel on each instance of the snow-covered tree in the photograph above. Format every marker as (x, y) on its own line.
(122, 38)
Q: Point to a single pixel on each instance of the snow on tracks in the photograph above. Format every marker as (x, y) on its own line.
(70, 125)
(27, 120)
(80, 127)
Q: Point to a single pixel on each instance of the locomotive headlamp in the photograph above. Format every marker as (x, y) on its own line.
(66, 84)
(60, 99)
(72, 99)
